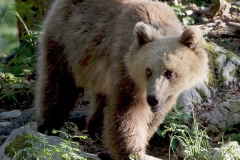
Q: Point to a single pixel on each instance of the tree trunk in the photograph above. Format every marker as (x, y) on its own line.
(221, 7)
(32, 13)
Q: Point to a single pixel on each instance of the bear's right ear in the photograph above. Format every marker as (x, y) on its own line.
(144, 33)
(192, 37)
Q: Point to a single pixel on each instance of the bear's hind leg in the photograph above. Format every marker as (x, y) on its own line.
(56, 93)
(95, 118)
(58, 100)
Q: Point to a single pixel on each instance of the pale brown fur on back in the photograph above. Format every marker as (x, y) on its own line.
(108, 47)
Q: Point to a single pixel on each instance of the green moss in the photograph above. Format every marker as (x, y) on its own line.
(230, 54)
(18, 144)
(202, 94)
(213, 64)
(215, 79)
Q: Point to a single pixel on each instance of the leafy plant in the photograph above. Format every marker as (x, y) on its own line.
(133, 157)
(13, 89)
(186, 20)
(8, 29)
(177, 117)
(230, 150)
(192, 140)
(35, 147)
(18, 72)
(236, 7)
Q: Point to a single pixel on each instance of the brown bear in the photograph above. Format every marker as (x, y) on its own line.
(135, 57)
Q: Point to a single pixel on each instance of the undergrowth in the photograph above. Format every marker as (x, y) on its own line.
(17, 71)
(29, 146)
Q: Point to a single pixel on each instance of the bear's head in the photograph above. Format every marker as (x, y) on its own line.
(164, 66)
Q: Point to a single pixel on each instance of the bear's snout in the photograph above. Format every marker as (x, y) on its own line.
(152, 100)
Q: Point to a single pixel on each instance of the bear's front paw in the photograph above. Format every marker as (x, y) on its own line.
(147, 157)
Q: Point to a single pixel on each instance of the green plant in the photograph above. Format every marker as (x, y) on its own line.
(18, 72)
(192, 140)
(24, 147)
(230, 150)
(68, 147)
(186, 20)
(35, 147)
(8, 29)
(14, 88)
(236, 7)
(24, 58)
(133, 157)
(177, 116)
(231, 133)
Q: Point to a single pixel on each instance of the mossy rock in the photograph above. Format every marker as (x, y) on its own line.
(217, 75)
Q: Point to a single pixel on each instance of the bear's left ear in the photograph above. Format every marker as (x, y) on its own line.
(192, 37)
(144, 33)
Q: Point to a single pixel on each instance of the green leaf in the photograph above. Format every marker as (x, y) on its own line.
(174, 144)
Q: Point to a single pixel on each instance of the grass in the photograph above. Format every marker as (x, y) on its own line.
(8, 28)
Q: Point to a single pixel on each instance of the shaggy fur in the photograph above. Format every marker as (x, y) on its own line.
(132, 54)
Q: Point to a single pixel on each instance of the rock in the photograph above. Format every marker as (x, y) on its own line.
(5, 123)
(224, 115)
(209, 101)
(203, 90)
(213, 90)
(227, 69)
(188, 98)
(203, 20)
(220, 117)
(222, 125)
(221, 61)
(10, 114)
(204, 118)
(212, 128)
(217, 154)
(189, 12)
(224, 108)
(188, 108)
(233, 119)
(51, 141)
(26, 117)
(235, 61)
(230, 151)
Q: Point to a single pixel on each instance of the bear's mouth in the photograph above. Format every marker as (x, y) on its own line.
(157, 107)
(160, 105)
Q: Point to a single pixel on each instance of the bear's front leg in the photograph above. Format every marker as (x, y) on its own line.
(126, 122)
(124, 137)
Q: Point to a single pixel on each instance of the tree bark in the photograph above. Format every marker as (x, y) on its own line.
(32, 13)
(220, 7)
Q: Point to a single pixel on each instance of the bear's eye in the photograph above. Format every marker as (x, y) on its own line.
(149, 72)
(169, 74)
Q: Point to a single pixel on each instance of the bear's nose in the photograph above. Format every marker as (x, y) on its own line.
(152, 100)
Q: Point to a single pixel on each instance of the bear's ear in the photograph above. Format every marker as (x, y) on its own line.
(192, 37)
(144, 33)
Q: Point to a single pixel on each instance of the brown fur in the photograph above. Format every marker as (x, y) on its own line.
(121, 50)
